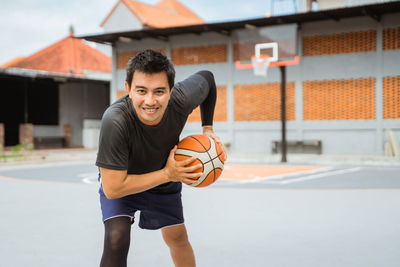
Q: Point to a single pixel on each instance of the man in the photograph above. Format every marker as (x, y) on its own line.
(137, 143)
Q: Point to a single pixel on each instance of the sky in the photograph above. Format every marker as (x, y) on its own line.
(27, 26)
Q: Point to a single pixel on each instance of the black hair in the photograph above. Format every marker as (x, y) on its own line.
(149, 62)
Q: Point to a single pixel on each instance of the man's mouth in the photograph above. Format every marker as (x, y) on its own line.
(150, 110)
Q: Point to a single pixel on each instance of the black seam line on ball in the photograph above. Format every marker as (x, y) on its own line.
(184, 149)
(207, 153)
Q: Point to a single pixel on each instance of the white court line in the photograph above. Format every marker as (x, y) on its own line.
(89, 177)
(320, 175)
(44, 165)
(90, 180)
(266, 179)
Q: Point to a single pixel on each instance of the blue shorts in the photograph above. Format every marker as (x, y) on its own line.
(156, 210)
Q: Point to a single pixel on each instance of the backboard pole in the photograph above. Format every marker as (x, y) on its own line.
(283, 112)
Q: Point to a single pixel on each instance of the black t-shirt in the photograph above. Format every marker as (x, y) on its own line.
(128, 144)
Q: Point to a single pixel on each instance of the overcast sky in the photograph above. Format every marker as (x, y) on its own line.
(27, 26)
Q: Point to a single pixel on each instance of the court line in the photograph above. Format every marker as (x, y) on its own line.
(275, 178)
(43, 165)
(90, 180)
(222, 187)
(38, 180)
(279, 179)
(315, 176)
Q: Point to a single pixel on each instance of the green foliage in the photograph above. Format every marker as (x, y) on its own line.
(17, 148)
(30, 147)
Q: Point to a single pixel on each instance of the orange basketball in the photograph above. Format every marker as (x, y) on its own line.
(207, 152)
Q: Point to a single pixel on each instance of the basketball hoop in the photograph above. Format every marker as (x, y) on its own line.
(261, 61)
(261, 64)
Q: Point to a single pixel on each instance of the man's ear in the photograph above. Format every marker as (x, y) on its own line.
(127, 88)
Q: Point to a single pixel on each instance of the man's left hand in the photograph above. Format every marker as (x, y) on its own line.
(208, 130)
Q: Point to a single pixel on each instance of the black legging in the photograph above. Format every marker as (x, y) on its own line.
(117, 239)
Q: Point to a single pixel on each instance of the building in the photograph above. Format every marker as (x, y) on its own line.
(344, 92)
(128, 15)
(55, 97)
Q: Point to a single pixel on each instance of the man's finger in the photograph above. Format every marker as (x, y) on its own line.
(193, 168)
(189, 181)
(172, 152)
(216, 138)
(192, 175)
(187, 161)
(195, 175)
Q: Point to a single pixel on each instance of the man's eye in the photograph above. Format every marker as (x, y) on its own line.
(141, 91)
(160, 92)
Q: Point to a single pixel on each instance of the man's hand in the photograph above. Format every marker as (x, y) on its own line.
(176, 171)
(208, 130)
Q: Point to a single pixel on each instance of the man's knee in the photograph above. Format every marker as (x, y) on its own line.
(117, 235)
(116, 239)
(176, 238)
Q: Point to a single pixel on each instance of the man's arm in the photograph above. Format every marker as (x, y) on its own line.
(117, 184)
(207, 107)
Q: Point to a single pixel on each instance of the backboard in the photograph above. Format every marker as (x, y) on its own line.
(260, 47)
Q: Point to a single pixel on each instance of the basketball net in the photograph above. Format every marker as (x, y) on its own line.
(261, 64)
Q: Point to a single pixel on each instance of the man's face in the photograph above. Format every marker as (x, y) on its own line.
(150, 94)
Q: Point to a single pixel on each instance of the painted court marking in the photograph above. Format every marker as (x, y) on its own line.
(258, 173)
(89, 177)
(315, 176)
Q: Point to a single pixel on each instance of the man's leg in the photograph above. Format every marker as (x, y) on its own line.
(116, 242)
(177, 240)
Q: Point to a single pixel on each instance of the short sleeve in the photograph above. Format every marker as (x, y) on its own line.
(190, 93)
(113, 150)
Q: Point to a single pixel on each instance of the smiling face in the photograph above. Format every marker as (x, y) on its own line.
(150, 94)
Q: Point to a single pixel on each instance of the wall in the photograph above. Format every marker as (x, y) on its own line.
(78, 101)
(345, 91)
(121, 20)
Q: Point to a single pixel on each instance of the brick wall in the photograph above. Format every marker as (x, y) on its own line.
(262, 102)
(199, 55)
(26, 134)
(220, 113)
(340, 43)
(339, 99)
(121, 93)
(391, 97)
(243, 51)
(391, 38)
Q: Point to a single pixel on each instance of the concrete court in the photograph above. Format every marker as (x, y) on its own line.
(58, 224)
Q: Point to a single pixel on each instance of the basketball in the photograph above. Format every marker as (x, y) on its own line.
(207, 152)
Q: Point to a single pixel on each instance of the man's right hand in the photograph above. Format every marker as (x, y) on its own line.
(177, 171)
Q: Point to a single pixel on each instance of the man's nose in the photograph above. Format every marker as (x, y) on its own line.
(149, 99)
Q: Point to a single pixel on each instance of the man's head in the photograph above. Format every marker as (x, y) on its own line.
(149, 82)
(149, 62)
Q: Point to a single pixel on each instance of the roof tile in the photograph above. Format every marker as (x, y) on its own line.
(70, 55)
(167, 13)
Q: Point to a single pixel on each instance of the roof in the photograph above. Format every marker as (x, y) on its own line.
(68, 56)
(58, 77)
(167, 13)
(13, 62)
(374, 11)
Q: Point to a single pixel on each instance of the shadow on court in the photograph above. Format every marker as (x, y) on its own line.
(49, 223)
